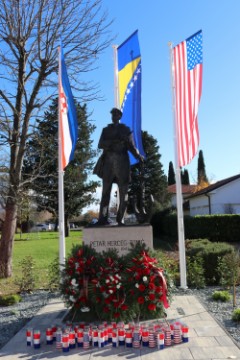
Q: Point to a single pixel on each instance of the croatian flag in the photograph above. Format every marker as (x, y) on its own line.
(67, 116)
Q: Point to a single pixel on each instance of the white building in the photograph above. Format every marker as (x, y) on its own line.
(187, 190)
(223, 197)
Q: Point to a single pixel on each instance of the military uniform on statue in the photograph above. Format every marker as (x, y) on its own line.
(113, 166)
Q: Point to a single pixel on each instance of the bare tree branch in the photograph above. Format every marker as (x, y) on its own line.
(30, 33)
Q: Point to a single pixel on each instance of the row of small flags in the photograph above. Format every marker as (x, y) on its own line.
(85, 336)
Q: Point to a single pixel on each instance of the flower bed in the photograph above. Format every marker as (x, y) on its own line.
(115, 288)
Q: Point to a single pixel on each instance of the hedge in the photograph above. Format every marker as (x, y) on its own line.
(224, 228)
(210, 253)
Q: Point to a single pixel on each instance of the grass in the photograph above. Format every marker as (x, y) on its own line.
(44, 249)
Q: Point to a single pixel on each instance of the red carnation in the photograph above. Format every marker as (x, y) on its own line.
(124, 307)
(83, 299)
(111, 298)
(158, 289)
(152, 278)
(116, 315)
(146, 271)
(151, 307)
(142, 287)
(80, 253)
(151, 286)
(109, 261)
(151, 297)
(140, 300)
(138, 276)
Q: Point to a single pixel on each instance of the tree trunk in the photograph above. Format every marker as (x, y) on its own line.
(66, 226)
(6, 243)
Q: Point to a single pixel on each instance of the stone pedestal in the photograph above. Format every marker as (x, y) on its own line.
(117, 237)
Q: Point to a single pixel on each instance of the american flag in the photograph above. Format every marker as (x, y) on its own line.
(187, 61)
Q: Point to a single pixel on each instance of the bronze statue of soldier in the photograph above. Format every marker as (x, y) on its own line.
(113, 166)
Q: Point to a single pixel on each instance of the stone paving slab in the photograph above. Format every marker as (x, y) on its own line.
(207, 339)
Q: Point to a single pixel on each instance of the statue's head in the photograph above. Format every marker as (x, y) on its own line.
(116, 113)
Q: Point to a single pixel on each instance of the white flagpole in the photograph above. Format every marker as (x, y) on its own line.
(116, 87)
(181, 235)
(61, 222)
(116, 95)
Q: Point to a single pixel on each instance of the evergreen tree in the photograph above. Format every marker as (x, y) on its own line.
(42, 160)
(171, 174)
(185, 177)
(202, 177)
(151, 173)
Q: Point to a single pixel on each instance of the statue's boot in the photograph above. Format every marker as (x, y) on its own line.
(123, 197)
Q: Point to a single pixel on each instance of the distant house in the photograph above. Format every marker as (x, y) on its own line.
(222, 197)
(187, 190)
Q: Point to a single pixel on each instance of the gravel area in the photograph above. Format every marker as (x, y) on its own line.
(13, 318)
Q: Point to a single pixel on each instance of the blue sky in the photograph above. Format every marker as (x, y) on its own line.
(159, 22)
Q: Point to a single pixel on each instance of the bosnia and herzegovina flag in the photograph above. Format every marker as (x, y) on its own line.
(67, 115)
(129, 84)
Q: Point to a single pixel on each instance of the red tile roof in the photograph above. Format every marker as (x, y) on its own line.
(214, 186)
(186, 189)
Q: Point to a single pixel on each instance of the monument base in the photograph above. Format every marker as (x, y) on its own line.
(117, 237)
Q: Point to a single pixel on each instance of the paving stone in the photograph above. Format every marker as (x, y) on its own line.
(207, 340)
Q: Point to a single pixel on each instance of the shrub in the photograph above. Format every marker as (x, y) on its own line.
(26, 281)
(165, 223)
(8, 300)
(170, 266)
(229, 269)
(222, 296)
(195, 272)
(54, 275)
(210, 254)
(236, 315)
(193, 247)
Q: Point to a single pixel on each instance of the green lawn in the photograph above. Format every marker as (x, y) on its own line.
(43, 247)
